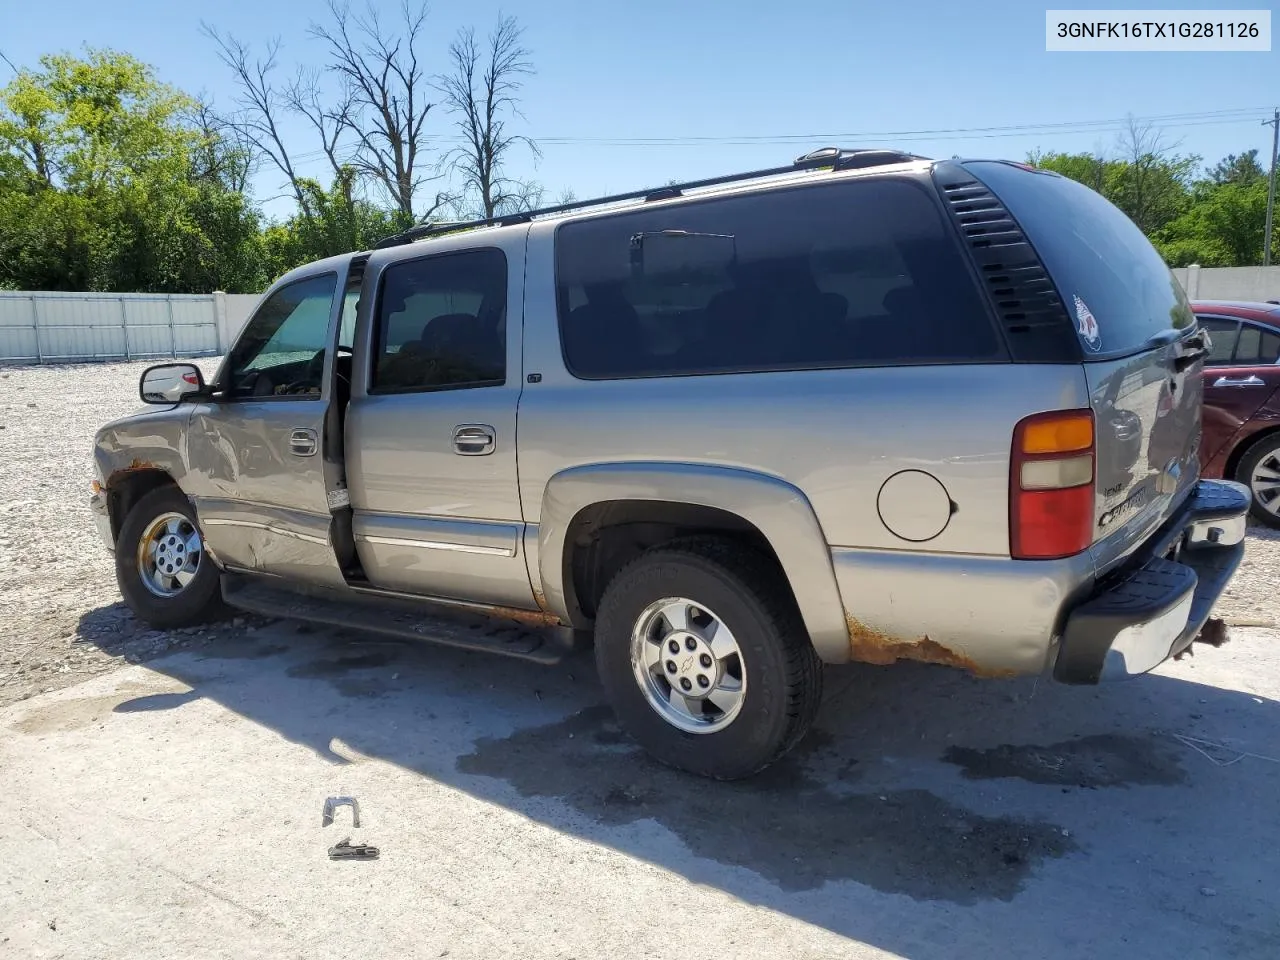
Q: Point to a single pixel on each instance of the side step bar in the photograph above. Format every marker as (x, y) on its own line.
(397, 617)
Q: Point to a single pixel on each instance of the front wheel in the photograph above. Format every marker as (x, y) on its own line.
(165, 575)
(705, 660)
(1259, 470)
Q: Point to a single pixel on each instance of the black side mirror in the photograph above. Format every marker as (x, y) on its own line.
(170, 383)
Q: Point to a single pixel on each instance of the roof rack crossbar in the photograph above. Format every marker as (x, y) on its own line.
(834, 157)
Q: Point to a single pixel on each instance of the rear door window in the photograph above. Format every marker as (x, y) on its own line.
(1223, 335)
(442, 323)
(857, 273)
(1117, 290)
(1257, 347)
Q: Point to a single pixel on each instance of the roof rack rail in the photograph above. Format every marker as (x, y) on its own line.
(836, 158)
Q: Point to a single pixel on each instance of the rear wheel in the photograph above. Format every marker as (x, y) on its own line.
(1259, 469)
(165, 576)
(705, 660)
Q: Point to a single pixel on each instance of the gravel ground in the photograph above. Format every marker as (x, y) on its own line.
(57, 583)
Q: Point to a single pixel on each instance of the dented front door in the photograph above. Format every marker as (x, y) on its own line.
(259, 473)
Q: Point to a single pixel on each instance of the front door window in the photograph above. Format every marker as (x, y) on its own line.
(281, 351)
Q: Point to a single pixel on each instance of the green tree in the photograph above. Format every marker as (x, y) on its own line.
(1090, 169)
(1238, 168)
(337, 220)
(1216, 220)
(1149, 182)
(1223, 226)
(1151, 191)
(110, 183)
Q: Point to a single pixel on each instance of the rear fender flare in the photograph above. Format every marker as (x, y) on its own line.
(780, 511)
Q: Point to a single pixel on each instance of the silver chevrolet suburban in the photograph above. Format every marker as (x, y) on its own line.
(863, 407)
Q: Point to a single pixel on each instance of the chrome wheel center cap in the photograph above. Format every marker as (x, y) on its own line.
(689, 664)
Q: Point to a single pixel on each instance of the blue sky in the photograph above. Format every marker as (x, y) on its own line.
(718, 68)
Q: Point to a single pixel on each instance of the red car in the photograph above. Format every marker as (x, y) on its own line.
(1241, 439)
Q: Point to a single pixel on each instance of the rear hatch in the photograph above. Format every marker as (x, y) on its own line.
(1140, 346)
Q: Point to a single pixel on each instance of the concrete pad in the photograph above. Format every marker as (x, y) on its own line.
(174, 810)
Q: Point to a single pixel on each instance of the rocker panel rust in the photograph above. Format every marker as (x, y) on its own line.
(534, 618)
(869, 645)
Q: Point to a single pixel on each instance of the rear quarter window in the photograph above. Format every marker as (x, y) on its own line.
(1115, 287)
(855, 273)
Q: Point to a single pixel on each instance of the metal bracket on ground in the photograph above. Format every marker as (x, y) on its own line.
(332, 803)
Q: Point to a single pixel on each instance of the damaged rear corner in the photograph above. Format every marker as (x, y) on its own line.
(990, 616)
(869, 645)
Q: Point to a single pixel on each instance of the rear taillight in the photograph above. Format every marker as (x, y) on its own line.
(1051, 485)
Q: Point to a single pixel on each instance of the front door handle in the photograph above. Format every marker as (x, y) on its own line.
(474, 439)
(1239, 382)
(303, 443)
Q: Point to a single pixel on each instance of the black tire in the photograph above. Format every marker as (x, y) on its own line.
(749, 594)
(198, 602)
(1268, 448)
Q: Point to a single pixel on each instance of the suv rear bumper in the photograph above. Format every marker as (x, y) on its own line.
(1154, 609)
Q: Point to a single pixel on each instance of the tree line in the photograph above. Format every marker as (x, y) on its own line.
(1213, 215)
(111, 179)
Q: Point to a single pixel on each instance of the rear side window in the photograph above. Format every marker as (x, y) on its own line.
(442, 323)
(1116, 289)
(1223, 335)
(863, 272)
(1257, 347)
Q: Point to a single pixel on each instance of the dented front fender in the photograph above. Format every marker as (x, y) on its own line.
(152, 439)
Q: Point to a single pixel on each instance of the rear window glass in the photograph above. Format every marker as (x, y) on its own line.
(858, 273)
(1117, 290)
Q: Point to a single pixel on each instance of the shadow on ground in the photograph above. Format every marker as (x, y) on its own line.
(918, 781)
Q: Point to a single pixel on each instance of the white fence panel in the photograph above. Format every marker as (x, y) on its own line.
(63, 327)
(195, 327)
(149, 327)
(72, 328)
(18, 328)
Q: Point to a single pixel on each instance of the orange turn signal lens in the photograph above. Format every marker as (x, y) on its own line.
(1061, 434)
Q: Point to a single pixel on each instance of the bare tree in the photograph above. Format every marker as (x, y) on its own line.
(482, 92)
(222, 152)
(386, 95)
(303, 97)
(261, 104)
(1153, 175)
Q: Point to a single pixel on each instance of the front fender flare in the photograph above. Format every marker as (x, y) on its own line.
(780, 511)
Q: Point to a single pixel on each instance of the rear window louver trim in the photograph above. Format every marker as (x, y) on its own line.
(1024, 297)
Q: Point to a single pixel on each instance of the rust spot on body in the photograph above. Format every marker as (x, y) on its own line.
(134, 466)
(540, 599)
(535, 618)
(868, 645)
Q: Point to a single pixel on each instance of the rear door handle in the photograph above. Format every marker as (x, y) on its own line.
(474, 439)
(303, 443)
(1239, 382)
